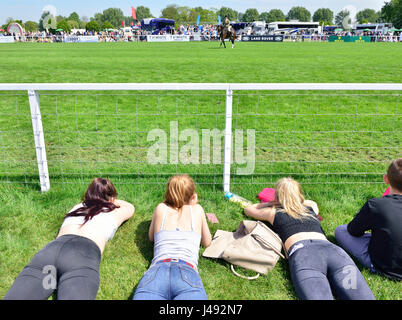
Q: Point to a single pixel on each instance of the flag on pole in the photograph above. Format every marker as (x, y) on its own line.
(198, 20)
(123, 24)
(219, 19)
(134, 13)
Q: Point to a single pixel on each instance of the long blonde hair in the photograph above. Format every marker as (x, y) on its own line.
(179, 191)
(288, 195)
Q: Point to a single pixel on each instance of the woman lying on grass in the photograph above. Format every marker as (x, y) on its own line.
(71, 262)
(178, 227)
(316, 265)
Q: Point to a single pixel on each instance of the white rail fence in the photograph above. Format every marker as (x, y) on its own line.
(250, 116)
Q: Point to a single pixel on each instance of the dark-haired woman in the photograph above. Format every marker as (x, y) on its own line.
(70, 263)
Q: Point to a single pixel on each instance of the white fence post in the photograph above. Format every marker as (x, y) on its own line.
(228, 140)
(39, 140)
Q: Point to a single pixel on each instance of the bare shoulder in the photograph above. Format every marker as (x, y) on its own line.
(198, 208)
(160, 209)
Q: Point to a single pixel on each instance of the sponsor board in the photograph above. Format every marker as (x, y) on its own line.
(349, 39)
(80, 39)
(273, 38)
(7, 39)
(167, 38)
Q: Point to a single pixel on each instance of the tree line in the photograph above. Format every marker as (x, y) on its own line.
(113, 18)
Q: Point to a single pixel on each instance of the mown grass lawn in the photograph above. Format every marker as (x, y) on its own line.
(338, 145)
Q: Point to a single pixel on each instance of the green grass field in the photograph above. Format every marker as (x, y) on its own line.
(337, 145)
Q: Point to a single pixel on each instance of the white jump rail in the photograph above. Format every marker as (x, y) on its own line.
(197, 86)
(33, 88)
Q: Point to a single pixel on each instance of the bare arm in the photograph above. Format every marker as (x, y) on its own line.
(312, 204)
(206, 236)
(124, 212)
(261, 211)
(151, 230)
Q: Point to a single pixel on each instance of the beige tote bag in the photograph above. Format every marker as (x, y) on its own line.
(252, 246)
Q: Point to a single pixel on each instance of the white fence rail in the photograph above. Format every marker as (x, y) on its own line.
(227, 88)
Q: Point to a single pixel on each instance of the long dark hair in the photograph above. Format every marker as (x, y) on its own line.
(96, 200)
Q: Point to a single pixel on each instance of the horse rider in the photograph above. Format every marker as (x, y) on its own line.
(226, 23)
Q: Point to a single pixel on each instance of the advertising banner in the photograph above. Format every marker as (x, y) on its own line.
(272, 38)
(349, 39)
(7, 39)
(167, 38)
(81, 39)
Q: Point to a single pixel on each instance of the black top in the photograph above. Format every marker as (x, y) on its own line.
(286, 226)
(383, 216)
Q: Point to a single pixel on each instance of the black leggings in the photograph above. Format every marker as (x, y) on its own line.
(69, 264)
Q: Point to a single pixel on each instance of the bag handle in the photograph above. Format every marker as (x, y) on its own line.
(267, 244)
(241, 276)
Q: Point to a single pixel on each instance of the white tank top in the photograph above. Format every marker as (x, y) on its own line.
(184, 245)
(104, 222)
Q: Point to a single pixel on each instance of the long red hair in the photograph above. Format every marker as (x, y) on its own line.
(179, 191)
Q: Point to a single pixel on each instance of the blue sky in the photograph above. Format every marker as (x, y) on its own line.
(32, 9)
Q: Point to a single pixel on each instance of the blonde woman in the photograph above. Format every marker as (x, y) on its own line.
(178, 227)
(318, 267)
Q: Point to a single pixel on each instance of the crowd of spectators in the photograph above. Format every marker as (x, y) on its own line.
(204, 32)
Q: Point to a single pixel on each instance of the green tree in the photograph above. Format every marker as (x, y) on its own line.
(339, 18)
(92, 26)
(397, 20)
(59, 18)
(251, 15)
(74, 16)
(186, 15)
(299, 13)
(392, 12)
(107, 25)
(387, 12)
(63, 24)
(98, 17)
(170, 12)
(143, 13)
(273, 15)
(367, 15)
(31, 26)
(323, 15)
(114, 16)
(206, 16)
(73, 24)
(225, 11)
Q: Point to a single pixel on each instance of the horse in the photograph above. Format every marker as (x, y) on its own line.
(225, 34)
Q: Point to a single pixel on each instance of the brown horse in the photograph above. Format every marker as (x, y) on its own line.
(225, 34)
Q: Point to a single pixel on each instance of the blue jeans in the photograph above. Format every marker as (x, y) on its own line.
(319, 269)
(174, 280)
(356, 246)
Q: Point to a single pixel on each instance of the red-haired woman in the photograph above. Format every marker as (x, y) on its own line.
(71, 262)
(177, 229)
